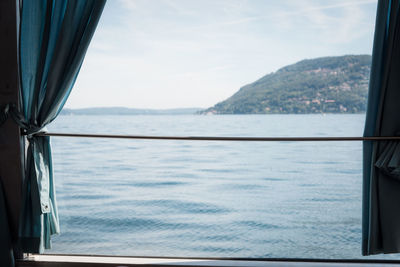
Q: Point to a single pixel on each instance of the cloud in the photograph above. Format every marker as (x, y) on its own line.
(179, 8)
(128, 4)
(146, 53)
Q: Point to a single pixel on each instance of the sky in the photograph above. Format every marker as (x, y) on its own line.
(187, 53)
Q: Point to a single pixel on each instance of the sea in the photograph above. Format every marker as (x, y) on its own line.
(209, 198)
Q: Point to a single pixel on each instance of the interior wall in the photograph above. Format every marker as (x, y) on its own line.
(10, 146)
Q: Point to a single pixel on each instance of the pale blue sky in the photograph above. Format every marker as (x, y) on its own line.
(191, 53)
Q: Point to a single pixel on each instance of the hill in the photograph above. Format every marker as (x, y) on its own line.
(128, 111)
(321, 85)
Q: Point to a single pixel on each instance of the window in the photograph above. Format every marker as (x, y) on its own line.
(211, 199)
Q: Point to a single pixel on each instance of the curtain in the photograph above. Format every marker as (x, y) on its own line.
(381, 162)
(54, 37)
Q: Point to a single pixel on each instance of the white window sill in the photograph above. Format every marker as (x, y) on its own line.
(34, 260)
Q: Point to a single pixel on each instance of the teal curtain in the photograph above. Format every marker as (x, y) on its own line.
(381, 163)
(54, 37)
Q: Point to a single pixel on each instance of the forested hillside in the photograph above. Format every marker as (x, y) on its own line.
(321, 85)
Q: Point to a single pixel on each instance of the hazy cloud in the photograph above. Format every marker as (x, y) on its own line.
(181, 53)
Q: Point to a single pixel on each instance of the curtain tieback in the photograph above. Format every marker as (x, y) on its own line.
(389, 161)
(11, 111)
(38, 153)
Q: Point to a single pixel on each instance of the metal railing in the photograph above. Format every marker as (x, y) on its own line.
(225, 138)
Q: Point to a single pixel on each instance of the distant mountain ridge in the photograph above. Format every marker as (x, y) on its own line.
(321, 85)
(128, 111)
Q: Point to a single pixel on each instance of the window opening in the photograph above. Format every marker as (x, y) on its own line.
(218, 199)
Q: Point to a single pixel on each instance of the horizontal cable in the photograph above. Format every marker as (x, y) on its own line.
(226, 138)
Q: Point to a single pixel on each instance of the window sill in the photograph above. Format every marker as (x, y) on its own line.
(34, 260)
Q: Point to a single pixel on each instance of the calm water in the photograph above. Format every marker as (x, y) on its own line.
(209, 199)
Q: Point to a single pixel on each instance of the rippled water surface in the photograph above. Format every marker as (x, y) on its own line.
(208, 198)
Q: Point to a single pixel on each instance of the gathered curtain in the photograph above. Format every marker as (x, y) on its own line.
(54, 37)
(381, 162)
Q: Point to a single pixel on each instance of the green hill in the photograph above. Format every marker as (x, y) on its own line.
(321, 85)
